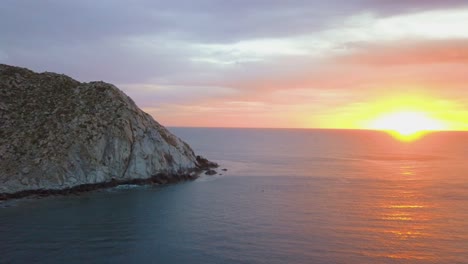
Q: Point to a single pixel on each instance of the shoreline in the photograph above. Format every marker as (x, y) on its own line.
(203, 166)
(158, 179)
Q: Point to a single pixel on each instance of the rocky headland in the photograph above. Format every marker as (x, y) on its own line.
(60, 136)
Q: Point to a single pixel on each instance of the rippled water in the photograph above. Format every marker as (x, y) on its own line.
(289, 196)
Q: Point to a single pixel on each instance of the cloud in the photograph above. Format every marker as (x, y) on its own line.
(164, 94)
(123, 43)
(404, 53)
(270, 59)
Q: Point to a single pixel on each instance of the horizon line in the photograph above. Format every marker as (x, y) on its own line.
(307, 128)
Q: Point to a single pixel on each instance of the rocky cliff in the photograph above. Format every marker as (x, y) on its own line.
(59, 134)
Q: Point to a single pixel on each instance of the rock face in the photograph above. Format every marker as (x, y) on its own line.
(57, 133)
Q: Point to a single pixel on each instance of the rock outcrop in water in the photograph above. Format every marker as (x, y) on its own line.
(59, 135)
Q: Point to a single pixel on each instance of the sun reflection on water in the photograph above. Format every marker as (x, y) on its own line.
(408, 216)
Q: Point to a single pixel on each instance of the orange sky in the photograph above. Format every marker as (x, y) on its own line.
(300, 64)
(354, 78)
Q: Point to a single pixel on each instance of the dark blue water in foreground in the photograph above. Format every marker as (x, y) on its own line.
(289, 196)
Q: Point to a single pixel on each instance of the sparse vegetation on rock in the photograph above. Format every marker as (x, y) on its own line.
(57, 133)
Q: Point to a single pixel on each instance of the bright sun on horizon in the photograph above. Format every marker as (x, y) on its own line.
(407, 125)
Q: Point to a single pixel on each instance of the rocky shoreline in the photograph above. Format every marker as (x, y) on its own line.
(204, 167)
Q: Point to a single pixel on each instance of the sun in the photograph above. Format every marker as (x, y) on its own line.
(407, 125)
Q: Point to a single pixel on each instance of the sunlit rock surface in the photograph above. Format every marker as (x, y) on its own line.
(57, 133)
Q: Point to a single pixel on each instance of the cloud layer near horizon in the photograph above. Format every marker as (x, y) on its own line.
(252, 63)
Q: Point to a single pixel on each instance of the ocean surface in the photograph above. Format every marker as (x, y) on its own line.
(289, 196)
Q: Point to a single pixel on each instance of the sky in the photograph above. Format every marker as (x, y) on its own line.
(255, 63)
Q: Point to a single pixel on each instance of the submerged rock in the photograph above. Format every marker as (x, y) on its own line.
(210, 172)
(58, 134)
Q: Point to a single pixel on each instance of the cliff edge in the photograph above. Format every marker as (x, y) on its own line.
(59, 134)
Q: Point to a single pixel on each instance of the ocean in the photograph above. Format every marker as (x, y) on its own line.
(288, 196)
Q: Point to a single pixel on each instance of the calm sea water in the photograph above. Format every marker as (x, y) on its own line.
(289, 196)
